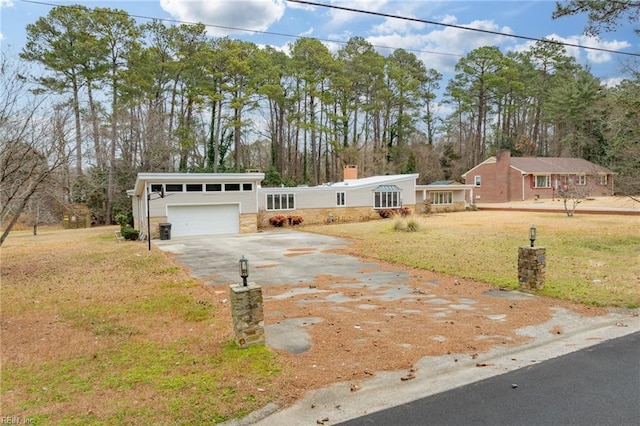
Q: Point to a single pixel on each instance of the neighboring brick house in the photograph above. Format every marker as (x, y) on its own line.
(504, 178)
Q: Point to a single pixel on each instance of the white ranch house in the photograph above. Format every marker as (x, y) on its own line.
(229, 203)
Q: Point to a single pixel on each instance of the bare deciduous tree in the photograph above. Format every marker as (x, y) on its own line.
(32, 143)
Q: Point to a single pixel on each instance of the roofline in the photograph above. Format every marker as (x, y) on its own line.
(445, 187)
(345, 185)
(493, 158)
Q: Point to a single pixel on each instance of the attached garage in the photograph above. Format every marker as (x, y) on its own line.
(213, 219)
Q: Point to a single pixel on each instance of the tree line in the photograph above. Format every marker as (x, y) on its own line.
(125, 98)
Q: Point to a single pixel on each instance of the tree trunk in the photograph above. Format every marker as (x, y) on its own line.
(76, 114)
(112, 154)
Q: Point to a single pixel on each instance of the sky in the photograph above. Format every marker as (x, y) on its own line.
(280, 22)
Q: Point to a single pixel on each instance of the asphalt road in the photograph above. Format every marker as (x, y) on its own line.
(599, 385)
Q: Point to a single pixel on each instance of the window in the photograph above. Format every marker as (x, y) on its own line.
(603, 180)
(581, 180)
(281, 202)
(194, 187)
(247, 187)
(173, 187)
(477, 180)
(340, 199)
(232, 187)
(542, 181)
(387, 199)
(439, 198)
(156, 187)
(213, 187)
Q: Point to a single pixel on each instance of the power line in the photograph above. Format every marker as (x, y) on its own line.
(460, 27)
(177, 21)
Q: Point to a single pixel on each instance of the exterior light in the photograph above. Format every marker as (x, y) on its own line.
(244, 270)
(532, 234)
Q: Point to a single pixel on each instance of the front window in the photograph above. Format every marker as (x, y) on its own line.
(281, 202)
(603, 180)
(232, 187)
(542, 181)
(581, 180)
(477, 180)
(173, 187)
(440, 198)
(340, 199)
(387, 199)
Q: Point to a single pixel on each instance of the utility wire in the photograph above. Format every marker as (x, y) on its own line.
(460, 27)
(177, 21)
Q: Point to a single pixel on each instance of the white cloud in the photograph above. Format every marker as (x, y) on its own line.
(612, 82)
(592, 56)
(393, 25)
(255, 15)
(6, 3)
(306, 33)
(442, 48)
(341, 17)
(449, 19)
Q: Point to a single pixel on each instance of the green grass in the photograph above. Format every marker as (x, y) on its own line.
(119, 334)
(196, 386)
(590, 259)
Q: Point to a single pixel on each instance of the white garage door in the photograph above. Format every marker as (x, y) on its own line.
(203, 220)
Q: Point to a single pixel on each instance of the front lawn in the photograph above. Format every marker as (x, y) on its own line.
(592, 259)
(96, 331)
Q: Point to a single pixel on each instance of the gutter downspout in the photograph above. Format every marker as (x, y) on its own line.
(148, 197)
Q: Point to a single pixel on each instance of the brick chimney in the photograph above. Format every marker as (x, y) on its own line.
(350, 172)
(503, 155)
(503, 161)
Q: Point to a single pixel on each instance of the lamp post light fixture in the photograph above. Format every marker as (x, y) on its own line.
(532, 234)
(244, 270)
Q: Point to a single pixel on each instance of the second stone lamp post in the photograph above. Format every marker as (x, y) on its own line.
(531, 263)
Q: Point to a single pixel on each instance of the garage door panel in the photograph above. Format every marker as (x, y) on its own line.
(203, 219)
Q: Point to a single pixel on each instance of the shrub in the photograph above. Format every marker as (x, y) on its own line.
(387, 213)
(128, 233)
(410, 224)
(124, 219)
(400, 225)
(413, 225)
(278, 220)
(295, 220)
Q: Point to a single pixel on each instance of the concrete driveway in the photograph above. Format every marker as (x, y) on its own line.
(298, 258)
(275, 257)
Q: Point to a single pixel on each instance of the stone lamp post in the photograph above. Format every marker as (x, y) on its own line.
(247, 310)
(531, 264)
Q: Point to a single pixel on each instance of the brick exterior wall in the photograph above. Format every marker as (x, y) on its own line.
(492, 187)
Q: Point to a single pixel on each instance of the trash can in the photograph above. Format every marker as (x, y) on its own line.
(165, 231)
